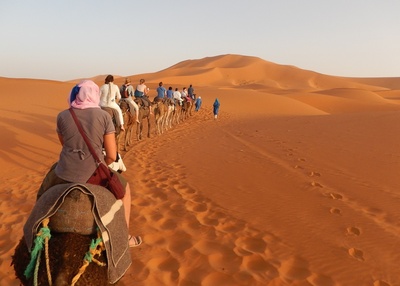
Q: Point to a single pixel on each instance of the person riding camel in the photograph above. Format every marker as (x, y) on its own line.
(177, 96)
(185, 94)
(142, 91)
(127, 93)
(109, 94)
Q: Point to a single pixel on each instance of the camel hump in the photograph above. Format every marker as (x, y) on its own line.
(75, 215)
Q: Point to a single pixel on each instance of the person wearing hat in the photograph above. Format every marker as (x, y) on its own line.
(133, 107)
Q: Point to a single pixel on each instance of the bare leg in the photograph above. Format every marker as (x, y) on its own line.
(126, 201)
(134, 106)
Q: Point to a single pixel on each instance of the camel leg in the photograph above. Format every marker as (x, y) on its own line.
(148, 126)
(160, 125)
(138, 130)
(127, 134)
(157, 121)
(130, 135)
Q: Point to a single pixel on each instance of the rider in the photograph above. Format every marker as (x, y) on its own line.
(76, 164)
(170, 92)
(109, 93)
(191, 92)
(161, 91)
(141, 91)
(130, 93)
(177, 96)
(184, 94)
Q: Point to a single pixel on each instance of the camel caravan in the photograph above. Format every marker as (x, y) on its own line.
(168, 108)
(77, 233)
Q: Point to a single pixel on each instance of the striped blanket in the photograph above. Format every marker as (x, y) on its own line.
(109, 217)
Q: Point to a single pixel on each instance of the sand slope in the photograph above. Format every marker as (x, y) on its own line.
(295, 184)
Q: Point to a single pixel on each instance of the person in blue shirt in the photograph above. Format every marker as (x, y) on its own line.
(170, 92)
(197, 103)
(191, 92)
(161, 91)
(216, 108)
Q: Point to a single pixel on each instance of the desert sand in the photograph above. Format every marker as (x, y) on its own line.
(294, 184)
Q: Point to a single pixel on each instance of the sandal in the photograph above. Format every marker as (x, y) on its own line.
(134, 241)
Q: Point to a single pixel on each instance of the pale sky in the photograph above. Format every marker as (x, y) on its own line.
(64, 40)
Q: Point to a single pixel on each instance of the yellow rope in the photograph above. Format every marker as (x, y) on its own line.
(96, 247)
(44, 233)
(46, 249)
(36, 273)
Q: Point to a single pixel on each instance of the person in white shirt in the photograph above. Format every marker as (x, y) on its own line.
(109, 94)
(177, 96)
(184, 94)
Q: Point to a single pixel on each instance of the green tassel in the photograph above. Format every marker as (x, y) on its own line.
(93, 245)
(37, 250)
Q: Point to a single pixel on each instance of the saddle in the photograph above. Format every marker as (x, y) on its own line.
(114, 114)
(63, 204)
(158, 99)
(143, 102)
(124, 103)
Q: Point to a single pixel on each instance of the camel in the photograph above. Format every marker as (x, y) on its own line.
(144, 113)
(187, 106)
(61, 246)
(160, 111)
(170, 109)
(129, 120)
(163, 109)
(114, 115)
(64, 233)
(176, 113)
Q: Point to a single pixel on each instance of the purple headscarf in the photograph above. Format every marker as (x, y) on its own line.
(85, 95)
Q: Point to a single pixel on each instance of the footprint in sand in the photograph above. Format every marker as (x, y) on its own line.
(356, 253)
(301, 159)
(314, 174)
(295, 268)
(351, 230)
(298, 167)
(196, 207)
(255, 263)
(335, 211)
(315, 184)
(335, 196)
(381, 283)
(251, 244)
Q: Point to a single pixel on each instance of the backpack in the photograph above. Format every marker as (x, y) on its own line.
(124, 91)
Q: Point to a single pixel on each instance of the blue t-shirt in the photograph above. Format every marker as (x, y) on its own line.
(161, 91)
(170, 93)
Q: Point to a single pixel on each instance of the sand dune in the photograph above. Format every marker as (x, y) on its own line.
(295, 184)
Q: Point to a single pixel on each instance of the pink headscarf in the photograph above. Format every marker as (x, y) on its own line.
(87, 97)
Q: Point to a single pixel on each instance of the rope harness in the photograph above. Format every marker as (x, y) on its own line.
(96, 247)
(42, 239)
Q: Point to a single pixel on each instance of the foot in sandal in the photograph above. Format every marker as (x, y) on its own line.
(134, 241)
